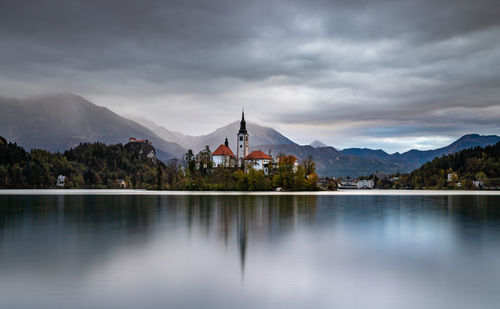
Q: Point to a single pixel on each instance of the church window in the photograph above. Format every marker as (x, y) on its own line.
(241, 138)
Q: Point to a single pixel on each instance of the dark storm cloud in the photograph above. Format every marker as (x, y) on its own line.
(348, 65)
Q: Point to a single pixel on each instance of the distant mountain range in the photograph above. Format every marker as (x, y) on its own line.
(413, 159)
(330, 161)
(60, 122)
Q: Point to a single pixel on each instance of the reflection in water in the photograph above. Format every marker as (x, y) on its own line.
(291, 251)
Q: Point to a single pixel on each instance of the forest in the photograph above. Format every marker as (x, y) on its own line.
(100, 166)
(474, 168)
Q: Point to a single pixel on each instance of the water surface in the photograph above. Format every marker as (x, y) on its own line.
(249, 251)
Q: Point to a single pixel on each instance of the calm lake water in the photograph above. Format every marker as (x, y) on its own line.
(146, 251)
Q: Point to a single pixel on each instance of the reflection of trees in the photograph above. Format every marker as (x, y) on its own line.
(71, 233)
(82, 229)
(482, 208)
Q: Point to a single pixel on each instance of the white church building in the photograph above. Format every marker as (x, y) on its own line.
(224, 157)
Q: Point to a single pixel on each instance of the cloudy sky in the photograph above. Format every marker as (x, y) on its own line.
(382, 74)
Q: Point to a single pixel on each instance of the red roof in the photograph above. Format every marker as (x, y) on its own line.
(223, 150)
(294, 158)
(257, 155)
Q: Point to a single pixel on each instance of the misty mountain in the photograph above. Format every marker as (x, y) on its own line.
(60, 122)
(413, 159)
(318, 144)
(259, 135)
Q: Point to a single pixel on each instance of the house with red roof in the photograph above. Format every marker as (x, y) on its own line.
(258, 160)
(223, 156)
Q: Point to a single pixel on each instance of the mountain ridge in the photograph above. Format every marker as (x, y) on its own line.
(63, 121)
(258, 135)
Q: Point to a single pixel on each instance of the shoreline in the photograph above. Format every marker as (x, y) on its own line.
(153, 192)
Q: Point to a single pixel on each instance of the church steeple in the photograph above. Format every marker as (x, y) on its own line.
(242, 140)
(243, 124)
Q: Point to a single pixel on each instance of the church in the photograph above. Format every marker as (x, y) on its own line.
(224, 157)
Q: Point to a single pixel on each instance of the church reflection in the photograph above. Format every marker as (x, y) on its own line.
(71, 230)
(238, 218)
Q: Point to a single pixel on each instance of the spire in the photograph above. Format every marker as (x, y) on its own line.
(226, 143)
(243, 124)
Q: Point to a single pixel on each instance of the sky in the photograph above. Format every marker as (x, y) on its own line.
(380, 74)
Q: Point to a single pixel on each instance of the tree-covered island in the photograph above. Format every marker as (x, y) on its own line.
(134, 165)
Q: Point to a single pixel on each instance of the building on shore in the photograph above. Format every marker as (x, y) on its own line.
(365, 184)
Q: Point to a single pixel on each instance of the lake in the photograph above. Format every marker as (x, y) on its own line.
(249, 251)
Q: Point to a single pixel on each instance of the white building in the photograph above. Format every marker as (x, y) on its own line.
(258, 160)
(223, 156)
(61, 180)
(365, 184)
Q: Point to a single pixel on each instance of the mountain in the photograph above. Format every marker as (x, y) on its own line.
(366, 153)
(318, 144)
(331, 162)
(62, 121)
(472, 168)
(414, 158)
(356, 162)
(259, 135)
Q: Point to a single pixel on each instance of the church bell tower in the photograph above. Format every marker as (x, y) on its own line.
(242, 140)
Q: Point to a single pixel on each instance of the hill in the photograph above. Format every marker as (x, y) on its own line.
(89, 165)
(60, 122)
(458, 170)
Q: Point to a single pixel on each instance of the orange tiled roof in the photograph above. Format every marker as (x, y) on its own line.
(223, 150)
(257, 155)
(294, 158)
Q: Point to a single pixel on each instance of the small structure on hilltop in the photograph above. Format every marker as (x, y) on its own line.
(143, 147)
(223, 156)
(259, 161)
(134, 140)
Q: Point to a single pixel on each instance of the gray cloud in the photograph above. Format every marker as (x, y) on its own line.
(343, 71)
